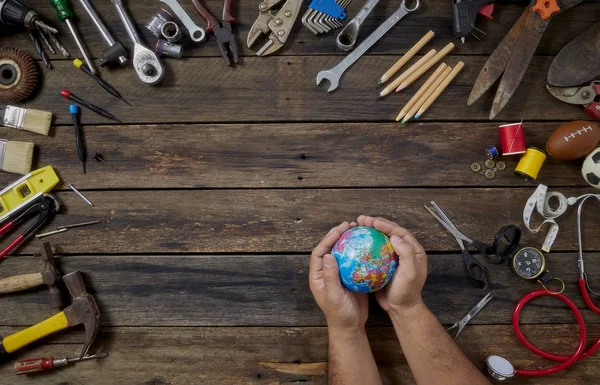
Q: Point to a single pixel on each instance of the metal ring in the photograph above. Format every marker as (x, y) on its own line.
(407, 9)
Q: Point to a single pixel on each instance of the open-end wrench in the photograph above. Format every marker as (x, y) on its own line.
(347, 37)
(147, 65)
(335, 74)
(197, 34)
(115, 53)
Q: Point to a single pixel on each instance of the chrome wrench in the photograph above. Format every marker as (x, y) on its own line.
(197, 34)
(347, 37)
(147, 65)
(334, 74)
(115, 53)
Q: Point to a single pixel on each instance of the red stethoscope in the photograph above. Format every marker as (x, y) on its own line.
(501, 369)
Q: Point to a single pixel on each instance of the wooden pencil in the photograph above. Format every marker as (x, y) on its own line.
(440, 89)
(440, 79)
(415, 75)
(421, 91)
(406, 74)
(406, 57)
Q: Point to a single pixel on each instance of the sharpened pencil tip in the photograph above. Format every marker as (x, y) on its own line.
(403, 121)
(380, 82)
(397, 119)
(400, 88)
(379, 97)
(417, 116)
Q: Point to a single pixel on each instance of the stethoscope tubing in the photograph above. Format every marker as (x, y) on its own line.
(566, 361)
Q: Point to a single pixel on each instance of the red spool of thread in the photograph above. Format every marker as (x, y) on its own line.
(512, 139)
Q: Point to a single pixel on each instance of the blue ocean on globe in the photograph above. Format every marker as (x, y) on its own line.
(366, 258)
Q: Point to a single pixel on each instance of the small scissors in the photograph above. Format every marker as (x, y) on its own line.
(460, 325)
(475, 270)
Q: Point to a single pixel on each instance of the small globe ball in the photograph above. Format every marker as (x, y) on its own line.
(366, 259)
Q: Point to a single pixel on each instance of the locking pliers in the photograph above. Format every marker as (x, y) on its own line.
(275, 24)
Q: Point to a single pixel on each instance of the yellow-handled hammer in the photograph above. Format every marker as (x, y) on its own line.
(83, 311)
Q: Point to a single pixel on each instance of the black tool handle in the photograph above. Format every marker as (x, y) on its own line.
(475, 270)
(13, 11)
(464, 15)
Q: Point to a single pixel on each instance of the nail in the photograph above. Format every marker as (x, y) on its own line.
(40, 236)
(89, 202)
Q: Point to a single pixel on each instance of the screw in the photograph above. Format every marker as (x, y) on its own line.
(263, 7)
(89, 202)
(288, 13)
(99, 158)
(281, 33)
(278, 21)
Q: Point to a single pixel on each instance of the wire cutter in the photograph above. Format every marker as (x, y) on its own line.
(43, 209)
(584, 96)
(513, 55)
(460, 325)
(225, 39)
(276, 25)
(475, 270)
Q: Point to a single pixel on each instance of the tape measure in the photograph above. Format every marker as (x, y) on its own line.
(26, 189)
(539, 201)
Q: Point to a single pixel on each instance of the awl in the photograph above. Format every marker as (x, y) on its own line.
(36, 365)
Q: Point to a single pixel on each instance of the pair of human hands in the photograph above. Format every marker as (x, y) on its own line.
(346, 310)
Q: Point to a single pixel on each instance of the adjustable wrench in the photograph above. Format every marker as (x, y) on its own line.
(147, 65)
(115, 53)
(197, 34)
(335, 74)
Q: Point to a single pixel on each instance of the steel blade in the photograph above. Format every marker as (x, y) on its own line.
(495, 65)
(523, 52)
(568, 69)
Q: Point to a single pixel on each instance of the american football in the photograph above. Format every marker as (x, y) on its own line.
(573, 140)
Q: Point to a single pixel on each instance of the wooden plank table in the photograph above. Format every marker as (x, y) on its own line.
(228, 177)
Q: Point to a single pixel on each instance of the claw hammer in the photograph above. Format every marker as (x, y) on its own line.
(50, 276)
(83, 311)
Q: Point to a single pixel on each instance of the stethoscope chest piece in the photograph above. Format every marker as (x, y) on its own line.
(500, 368)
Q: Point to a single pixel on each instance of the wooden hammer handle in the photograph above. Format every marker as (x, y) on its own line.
(20, 282)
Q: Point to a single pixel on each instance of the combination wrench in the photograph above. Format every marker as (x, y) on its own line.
(197, 34)
(147, 65)
(347, 37)
(334, 74)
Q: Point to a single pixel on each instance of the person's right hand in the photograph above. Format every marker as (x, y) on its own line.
(404, 290)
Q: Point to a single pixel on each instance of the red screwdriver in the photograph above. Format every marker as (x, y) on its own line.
(36, 365)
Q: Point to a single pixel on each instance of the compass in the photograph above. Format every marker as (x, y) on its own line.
(529, 263)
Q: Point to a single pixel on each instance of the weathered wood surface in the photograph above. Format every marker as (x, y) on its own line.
(434, 15)
(287, 155)
(289, 221)
(181, 356)
(282, 89)
(272, 290)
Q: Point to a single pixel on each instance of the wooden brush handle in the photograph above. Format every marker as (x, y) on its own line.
(20, 283)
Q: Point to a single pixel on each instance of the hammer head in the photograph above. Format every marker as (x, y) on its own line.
(51, 276)
(83, 311)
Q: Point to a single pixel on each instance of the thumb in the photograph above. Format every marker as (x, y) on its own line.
(407, 257)
(331, 274)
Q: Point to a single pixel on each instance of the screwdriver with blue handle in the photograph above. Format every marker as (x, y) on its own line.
(79, 143)
(110, 89)
(65, 14)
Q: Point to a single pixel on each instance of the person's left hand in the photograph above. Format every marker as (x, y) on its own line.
(343, 309)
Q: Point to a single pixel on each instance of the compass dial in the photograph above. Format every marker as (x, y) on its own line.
(529, 263)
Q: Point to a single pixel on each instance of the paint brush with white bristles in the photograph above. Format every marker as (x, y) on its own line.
(26, 119)
(16, 157)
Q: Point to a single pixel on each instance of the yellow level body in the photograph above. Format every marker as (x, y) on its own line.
(26, 189)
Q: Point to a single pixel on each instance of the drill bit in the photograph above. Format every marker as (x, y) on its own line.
(45, 40)
(79, 142)
(58, 45)
(40, 50)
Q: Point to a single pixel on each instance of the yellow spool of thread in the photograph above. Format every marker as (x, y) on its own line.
(531, 163)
